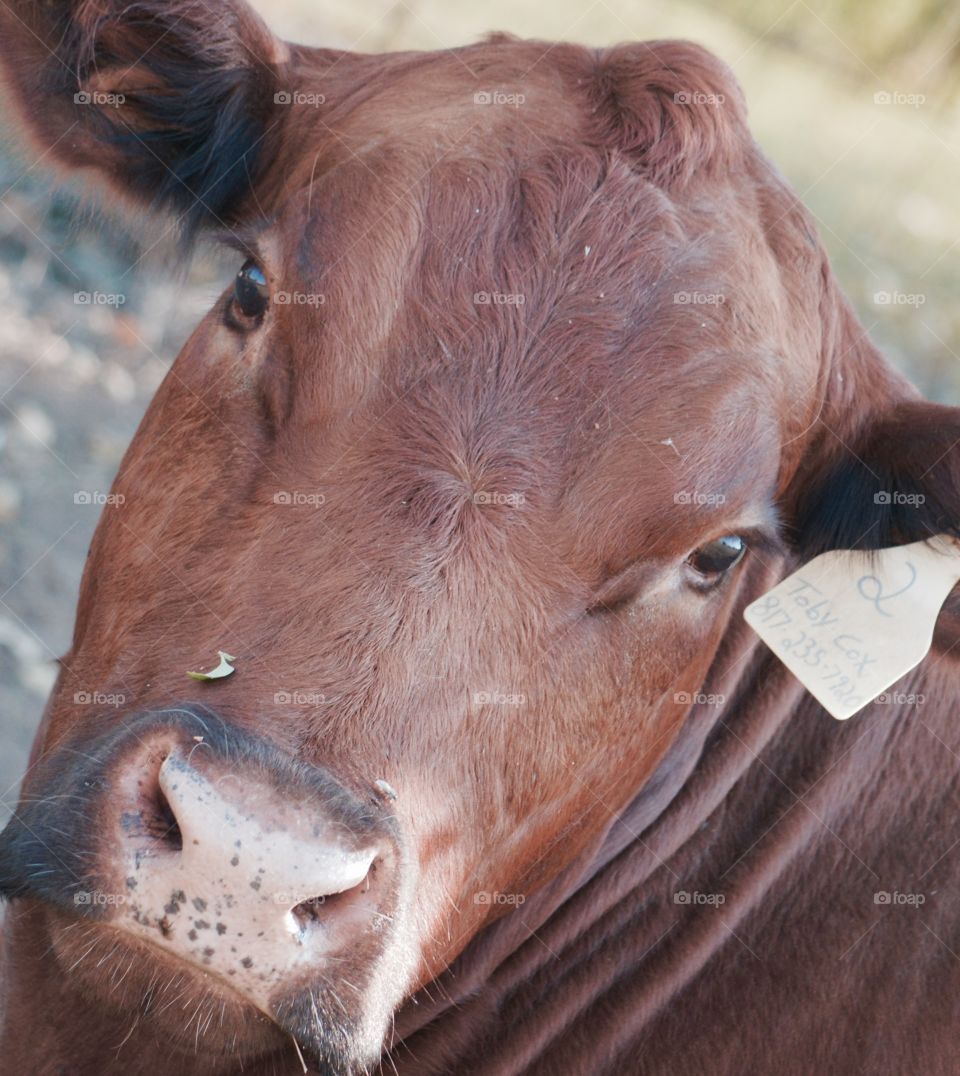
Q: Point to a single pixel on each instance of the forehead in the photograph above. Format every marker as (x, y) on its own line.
(439, 97)
(484, 250)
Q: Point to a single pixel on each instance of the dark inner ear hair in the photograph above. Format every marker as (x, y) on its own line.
(900, 484)
(190, 132)
(204, 169)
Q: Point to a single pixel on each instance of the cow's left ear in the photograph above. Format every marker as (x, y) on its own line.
(168, 102)
(894, 480)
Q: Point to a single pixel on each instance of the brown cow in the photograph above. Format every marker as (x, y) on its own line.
(534, 376)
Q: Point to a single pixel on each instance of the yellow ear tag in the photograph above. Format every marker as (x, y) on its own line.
(849, 624)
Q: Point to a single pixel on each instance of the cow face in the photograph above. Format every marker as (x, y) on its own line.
(469, 469)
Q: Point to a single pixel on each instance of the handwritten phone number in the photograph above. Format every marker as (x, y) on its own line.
(816, 653)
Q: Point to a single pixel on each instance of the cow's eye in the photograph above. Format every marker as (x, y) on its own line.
(714, 558)
(251, 292)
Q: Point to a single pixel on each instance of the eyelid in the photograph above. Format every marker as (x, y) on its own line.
(763, 536)
(621, 587)
(257, 257)
(245, 240)
(762, 539)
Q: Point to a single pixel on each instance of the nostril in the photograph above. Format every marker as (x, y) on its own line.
(316, 910)
(161, 822)
(308, 912)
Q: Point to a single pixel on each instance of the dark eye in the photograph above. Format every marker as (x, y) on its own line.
(718, 556)
(251, 292)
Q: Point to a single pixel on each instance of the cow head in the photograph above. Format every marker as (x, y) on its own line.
(531, 372)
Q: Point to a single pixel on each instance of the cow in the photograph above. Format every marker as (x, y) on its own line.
(533, 376)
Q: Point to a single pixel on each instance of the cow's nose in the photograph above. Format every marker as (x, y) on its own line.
(248, 880)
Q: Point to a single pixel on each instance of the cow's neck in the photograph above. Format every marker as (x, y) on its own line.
(742, 799)
(711, 753)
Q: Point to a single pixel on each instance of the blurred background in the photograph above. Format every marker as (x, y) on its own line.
(858, 103)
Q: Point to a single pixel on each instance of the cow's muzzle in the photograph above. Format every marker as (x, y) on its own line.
(214, 848)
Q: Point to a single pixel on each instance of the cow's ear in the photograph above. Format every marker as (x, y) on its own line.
(168, 101)
(672, 107)
(895, 480)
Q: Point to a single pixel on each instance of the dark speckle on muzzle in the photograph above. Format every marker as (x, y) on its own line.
(209, 844)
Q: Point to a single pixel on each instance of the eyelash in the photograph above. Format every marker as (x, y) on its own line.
(623, 591)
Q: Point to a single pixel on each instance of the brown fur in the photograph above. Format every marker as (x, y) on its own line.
(401, 398)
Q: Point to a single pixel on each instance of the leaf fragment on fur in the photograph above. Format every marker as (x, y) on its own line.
(222, 670)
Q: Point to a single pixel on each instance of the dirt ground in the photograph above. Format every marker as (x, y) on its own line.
(76, 375)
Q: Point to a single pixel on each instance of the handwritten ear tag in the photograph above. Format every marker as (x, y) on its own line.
(849, 624)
